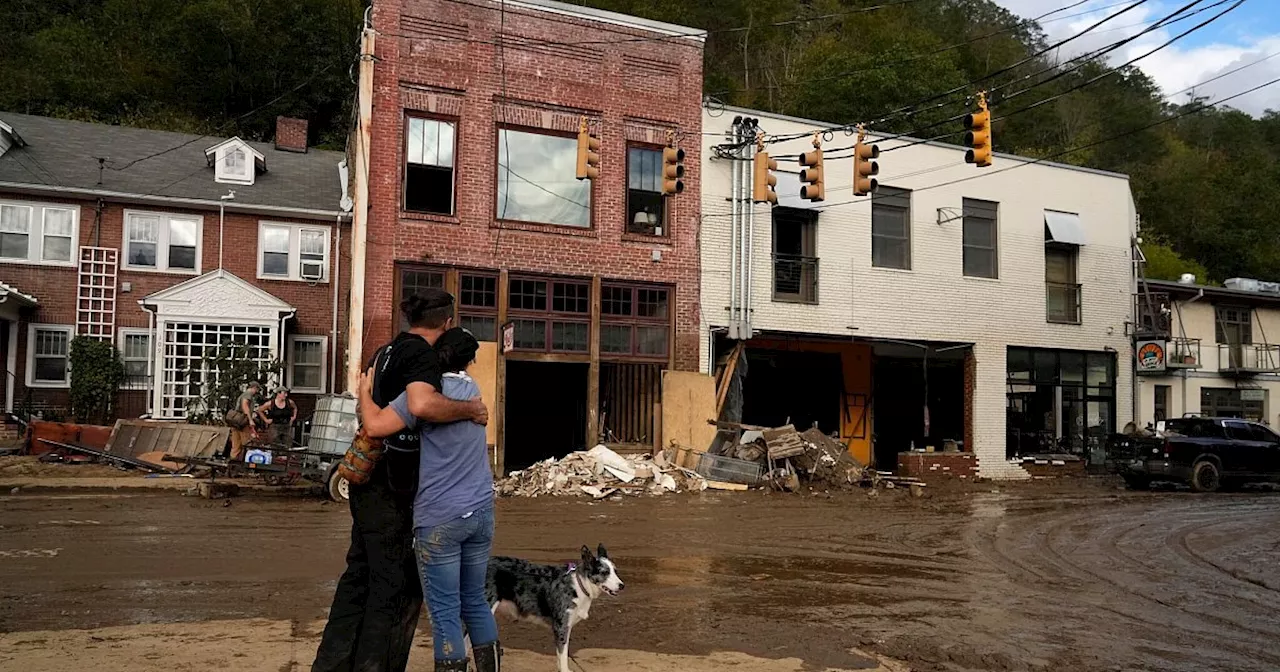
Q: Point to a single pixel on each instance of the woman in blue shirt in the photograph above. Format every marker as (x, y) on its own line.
(452, 513)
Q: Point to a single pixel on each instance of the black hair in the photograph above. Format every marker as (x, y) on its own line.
(429, 308)
(456, 349)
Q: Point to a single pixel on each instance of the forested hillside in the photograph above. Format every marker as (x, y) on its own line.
(1207, 184)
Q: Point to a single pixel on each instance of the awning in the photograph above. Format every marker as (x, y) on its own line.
(788, 189)
(9, 292)
(1064, 227)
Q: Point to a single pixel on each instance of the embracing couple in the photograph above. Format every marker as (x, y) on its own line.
(426, 513)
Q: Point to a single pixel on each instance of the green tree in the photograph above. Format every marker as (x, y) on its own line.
(221, 376)
(1165, 264)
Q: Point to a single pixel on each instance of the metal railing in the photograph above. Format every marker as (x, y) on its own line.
(1183, 353)
(795, 278)
(1248, 358)
(1062, 302)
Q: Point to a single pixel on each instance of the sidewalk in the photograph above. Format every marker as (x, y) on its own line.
(281, 646)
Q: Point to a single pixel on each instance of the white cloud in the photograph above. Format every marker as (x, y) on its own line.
(1175, 67)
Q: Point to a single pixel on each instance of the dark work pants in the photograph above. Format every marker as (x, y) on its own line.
(376, 605)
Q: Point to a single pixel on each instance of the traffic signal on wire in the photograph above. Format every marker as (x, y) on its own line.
(765, 181)
(811, 176)
(978, 135)
(672, 171)
(864, 166)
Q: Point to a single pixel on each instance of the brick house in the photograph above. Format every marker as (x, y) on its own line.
(130, 235)
(476, 111)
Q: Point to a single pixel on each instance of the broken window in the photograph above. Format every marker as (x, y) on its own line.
(428, 174)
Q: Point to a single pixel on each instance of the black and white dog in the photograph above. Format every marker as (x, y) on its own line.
(556, 596)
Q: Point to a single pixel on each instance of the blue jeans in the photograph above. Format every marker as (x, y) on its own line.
(453, 559)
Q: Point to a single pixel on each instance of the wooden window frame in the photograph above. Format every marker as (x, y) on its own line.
(635, 322)
(409, 115)
(497, 170)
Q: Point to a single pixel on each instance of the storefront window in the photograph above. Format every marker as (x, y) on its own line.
(1060, 401)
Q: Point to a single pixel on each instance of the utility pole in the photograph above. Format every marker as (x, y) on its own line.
(360, 218)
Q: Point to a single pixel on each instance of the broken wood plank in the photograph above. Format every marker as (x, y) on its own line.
(119, 459)
(727, 378)
(724, 424)
(721, 485)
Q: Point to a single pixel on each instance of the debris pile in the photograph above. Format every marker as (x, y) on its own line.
(599, 473)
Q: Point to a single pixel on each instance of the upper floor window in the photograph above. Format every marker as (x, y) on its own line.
(981, 252)
(37, 233)
(646, 207)
(1062, 292)
(537, 180)
(234, 161)
(795, 261)
(891, 228)
(161, 242)
(1233, 325)
(293, 252)
(428, 172)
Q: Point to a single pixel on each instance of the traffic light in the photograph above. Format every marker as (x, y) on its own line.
(812, 174)
(978, 137)
(765, 180)
(672, 171)
(588, 153)
(864, 167)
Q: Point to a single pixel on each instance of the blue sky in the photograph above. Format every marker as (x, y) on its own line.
(1243, 37)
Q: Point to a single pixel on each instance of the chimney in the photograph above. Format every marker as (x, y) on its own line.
(291, 134)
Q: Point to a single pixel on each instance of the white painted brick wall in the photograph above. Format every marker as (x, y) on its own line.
(934, 301)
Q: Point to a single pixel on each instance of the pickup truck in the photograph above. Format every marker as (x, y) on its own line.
(1205, 453)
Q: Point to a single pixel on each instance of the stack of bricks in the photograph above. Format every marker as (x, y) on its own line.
(938, 466)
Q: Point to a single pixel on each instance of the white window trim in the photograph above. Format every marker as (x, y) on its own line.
(324, 363)
(31, 355)
(162, 245)
(224, 175)
(295, 255)
(35, 234)
(151, 352)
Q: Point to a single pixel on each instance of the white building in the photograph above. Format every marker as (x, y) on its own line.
(1220, 347)
(1001, 295)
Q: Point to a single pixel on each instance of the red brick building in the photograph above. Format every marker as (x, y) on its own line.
(130, 235)
(476, 110)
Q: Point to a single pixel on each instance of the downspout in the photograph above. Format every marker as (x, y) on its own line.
(744, 206)
(337, 282)
(222, 216)
(280, 345)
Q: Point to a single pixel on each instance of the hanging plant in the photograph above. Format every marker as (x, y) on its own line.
(96, 374)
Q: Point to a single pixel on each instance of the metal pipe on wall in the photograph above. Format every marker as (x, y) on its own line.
(337, 285)
(750, 261)
(735, 168)
(743, 206)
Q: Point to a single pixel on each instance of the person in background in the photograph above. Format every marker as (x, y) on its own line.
(279, 413)
(452, 513)
(378, 599)
(245, 404)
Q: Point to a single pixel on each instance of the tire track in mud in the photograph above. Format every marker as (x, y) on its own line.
(1041, 564)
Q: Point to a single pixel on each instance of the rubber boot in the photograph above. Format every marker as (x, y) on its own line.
(459, 665)
(488, 657)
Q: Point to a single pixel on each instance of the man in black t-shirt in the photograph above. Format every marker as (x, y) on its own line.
(378, 599)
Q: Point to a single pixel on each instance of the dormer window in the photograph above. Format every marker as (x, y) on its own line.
(235, 162)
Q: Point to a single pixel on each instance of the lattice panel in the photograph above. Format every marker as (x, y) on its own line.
(96, 293)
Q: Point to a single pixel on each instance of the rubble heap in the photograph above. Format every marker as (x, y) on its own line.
(599, 473)
(826, 460)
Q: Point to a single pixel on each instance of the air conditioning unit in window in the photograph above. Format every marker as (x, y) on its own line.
(312, 270)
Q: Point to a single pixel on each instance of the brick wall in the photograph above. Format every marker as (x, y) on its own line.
(938, 466)
(438, 58)
(55, 286)
(291, 134)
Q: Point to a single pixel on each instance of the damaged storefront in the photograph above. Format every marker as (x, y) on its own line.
(880, 397)
(566, 362)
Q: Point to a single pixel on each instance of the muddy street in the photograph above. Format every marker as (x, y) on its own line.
(1012, 578)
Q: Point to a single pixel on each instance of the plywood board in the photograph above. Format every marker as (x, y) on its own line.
(688, 401)
(485, 372)
(131, 438)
